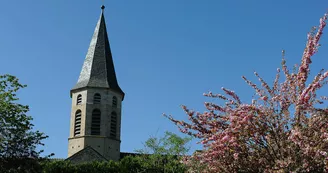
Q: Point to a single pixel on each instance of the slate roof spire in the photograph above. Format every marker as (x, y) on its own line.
(98, 69)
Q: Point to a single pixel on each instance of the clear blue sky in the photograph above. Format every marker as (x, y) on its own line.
(166, 53)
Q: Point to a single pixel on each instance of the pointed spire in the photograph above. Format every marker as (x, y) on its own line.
(98, 68)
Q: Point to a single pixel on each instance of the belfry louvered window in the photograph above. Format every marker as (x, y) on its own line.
(77, 123)
(114, 102)
(113, 124)
(95, 122)
(79, 99)
(97, 98)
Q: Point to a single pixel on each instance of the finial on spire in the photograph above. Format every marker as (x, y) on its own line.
(102, 7)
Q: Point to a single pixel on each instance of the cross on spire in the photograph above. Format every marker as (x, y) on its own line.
(103, 6)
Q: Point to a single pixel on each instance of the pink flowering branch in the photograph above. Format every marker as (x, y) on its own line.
(310, 49)
(282, 130)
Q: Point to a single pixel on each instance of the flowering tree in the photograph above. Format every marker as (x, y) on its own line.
(282, 130)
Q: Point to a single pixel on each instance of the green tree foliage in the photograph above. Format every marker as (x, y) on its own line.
(18, 141)
(131, 164)
(170, 144)
(92, 167)
(164, 154)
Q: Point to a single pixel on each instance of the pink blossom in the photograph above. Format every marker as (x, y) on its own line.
(226, 138)
(235, 156)
(324, 153)
(265, 98)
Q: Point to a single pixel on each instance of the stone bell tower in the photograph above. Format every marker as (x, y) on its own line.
(95, 122)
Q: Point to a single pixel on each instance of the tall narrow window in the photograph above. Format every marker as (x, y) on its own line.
(97, 98)
(79, 99)
(113, 124)
(114, 103)
(95, 122)
(77, 123)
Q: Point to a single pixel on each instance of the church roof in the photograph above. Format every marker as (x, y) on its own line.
(87, 154)
(98, 68)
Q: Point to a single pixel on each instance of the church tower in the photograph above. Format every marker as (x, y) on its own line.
(97, 101)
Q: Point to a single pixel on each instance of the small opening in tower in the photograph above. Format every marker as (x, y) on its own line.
(114, 102)
(79, 99)
(77, 123)
(113, 124)
(97, 98)
(95, 122)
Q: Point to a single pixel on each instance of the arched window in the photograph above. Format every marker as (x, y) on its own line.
(79, 99)
(97, 98)
(113, 124)
(114, 102)
(95, 122)
(77, 123)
